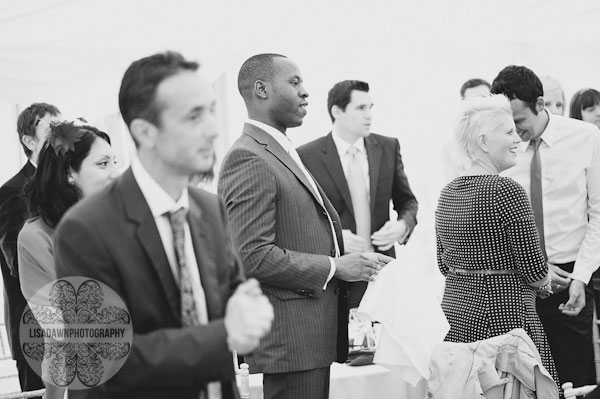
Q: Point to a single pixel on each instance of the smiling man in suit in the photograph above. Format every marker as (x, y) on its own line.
(361, 172)
(289, 236)
(177, 274)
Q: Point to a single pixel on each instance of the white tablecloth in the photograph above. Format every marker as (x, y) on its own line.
(361, 382)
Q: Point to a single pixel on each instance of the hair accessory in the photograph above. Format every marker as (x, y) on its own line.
(63, 136)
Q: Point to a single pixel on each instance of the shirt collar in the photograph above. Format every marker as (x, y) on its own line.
(549, 136)
(281, 138)
(159, 201)
(343, 146)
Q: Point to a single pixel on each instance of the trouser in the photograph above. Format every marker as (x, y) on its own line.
(29, 379)
(308, 384)
(570, 338)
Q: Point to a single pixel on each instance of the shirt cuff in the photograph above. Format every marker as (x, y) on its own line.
(331, 273)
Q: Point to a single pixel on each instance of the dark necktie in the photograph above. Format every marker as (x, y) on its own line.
(537, 202)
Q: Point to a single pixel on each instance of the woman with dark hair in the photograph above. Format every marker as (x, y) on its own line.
(585, 106)
(75, 161)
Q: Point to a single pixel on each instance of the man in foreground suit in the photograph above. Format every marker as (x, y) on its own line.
(289, 236)
(361, 172)
(32, 125)
(178, 288)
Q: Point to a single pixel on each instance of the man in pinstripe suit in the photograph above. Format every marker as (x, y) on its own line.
(289, 236)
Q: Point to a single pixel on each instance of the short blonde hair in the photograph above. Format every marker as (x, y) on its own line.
(478, 115)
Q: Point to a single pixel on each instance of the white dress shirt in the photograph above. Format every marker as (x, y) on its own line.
(345, 158)
(570, 156)
(161, 203)
(287, 145)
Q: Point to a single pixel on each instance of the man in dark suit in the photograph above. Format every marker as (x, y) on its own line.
(289, 236)
(33, 126)
(361, 172)
(177, 275)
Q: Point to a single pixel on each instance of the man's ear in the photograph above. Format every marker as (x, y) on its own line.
(29, 141)
(143, 132)
(336, 111)
(539, 104)
(261, 88)
(482, 142)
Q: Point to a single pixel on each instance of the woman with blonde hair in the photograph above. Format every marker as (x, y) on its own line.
(487, 242)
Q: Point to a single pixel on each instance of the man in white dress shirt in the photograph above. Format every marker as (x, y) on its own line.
(560, 169)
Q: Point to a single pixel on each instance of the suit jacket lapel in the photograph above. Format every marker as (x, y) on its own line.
(272, 146)
(138, 212)
(333, 165)
(374, 157)
(204, 251)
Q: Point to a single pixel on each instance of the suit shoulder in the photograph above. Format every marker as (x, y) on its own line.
(94, 208)
(204, 198)
(312, 146)
(385, 140)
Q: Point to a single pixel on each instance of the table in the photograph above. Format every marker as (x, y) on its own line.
(361, 382)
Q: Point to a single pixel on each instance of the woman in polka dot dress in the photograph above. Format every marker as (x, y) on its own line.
(487, 242)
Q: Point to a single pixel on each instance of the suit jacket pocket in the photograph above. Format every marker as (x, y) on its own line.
(285, 295)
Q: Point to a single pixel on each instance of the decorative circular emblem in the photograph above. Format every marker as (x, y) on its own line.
(76, 333)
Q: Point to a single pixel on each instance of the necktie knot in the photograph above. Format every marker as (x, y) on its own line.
(353, 151)
(177, 218)
(535, 143)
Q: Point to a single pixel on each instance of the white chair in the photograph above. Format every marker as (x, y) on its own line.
(23, 395)
(572, 393)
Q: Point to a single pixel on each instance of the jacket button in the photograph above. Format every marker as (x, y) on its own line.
(337, 291)
(333, 253)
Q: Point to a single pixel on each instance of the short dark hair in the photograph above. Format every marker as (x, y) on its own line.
(519, 82)
(581, 100)
(49, 193)
(257, 67)
(469, 84)
(137, 95)
(30, 117)
(341, 93)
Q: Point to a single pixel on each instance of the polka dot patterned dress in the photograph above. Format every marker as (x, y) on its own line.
(486, 222)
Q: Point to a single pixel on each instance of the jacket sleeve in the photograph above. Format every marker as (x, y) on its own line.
(250, 192)
(405, 203)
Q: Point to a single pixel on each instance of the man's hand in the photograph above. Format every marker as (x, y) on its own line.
(389, 233)
(360, 267)
(560, 278)
(248, 317)
(576, 300)
(354, 243)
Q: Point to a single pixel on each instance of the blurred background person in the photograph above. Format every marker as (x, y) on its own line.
(487, 243)
(361, 173)
(585, 106)
(474, 88)
(33, 124)
(554, 95)
(75, 162)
